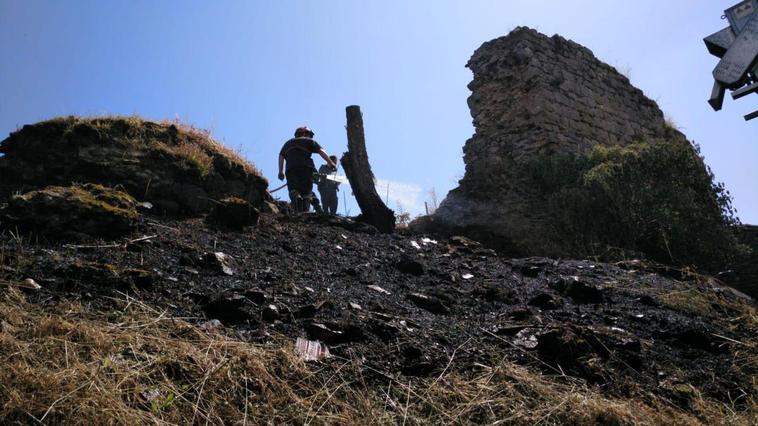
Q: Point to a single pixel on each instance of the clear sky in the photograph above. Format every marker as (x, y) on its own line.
(252, 71)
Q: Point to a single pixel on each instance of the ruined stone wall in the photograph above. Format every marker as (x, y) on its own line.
(533, 94)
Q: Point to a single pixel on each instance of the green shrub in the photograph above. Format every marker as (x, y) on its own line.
(655, 197)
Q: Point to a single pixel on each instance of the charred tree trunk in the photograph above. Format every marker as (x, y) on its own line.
(358, 171)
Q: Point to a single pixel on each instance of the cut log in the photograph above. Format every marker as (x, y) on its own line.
(358, 171)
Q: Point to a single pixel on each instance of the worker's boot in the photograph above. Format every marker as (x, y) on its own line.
(311, 200)
(296, 201)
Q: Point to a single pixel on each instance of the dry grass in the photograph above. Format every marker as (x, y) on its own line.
(195, 145)
(195, 156)
(689, 300)
(135, 365)
(202, 137)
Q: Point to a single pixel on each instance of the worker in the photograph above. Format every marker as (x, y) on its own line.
(300, 168)
(327, 187)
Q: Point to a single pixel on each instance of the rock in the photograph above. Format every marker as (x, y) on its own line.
(581, 292)
(411, 351)
(185, 260)
(219, 262)
(530, 271)
(460, 241)
(519, 314)
(140, 278)
(384, 330)
(104, 274)
(68, 213)
(496, 293)
(306, 311)
(407, 265)
(419, 369)
(231, 308)
(233, 213)
(697, 337)
(175, 167)
(430, 304)
(257, 296)
(318, 331)
(647, 301)
(270, 313)
(562, 346)
(545, 301)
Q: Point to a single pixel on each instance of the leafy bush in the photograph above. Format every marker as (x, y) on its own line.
(657, 197)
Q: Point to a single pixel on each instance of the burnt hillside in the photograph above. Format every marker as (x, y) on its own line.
(391, 309)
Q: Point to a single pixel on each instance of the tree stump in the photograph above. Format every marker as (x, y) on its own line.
(358, 171)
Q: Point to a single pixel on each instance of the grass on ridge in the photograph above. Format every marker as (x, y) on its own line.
(194, 145)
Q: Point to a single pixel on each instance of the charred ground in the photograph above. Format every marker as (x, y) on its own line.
(413, 307)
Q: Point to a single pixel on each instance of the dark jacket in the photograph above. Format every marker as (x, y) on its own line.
(297, 152)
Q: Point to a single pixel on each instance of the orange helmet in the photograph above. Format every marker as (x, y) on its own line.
(303, 131)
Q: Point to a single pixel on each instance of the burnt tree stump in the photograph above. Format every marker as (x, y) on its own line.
(358, 171)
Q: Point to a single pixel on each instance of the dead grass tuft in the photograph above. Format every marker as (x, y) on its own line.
(194, 145)
(195, 157)
(203, 138)
(136, 365)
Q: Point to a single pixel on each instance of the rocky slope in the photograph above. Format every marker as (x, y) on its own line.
(412, 307)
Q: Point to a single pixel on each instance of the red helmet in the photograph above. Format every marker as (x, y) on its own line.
(303, 131)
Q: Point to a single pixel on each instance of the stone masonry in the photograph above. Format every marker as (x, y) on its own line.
(533, 94)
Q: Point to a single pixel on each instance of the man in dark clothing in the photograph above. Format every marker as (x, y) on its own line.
(300, 168)
(328, 188)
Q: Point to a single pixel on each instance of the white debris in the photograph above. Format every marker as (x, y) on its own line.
(338, 247)
(404, 323)
(426, 241)
(150, 395)
(310, 350)
(526, 339)
(343, 236)
(310, 289)
(379, 289)
(210, 325)
(29, 284)
(415, 245)
(467, 276)
(355, 306)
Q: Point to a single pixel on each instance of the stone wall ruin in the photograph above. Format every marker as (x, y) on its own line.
(534, 95)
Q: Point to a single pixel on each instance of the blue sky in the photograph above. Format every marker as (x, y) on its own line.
(252, 71)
